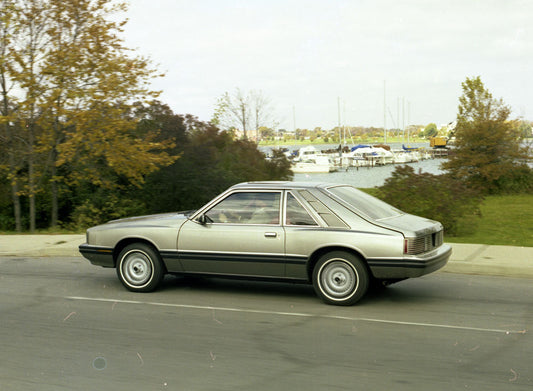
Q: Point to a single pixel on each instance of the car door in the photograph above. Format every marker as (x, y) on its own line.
(302, 232)
(240, 235)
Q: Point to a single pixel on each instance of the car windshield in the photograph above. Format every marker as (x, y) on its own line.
(364, 203)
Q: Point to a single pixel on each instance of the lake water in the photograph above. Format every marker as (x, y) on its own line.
(368, 176)
(364, 177)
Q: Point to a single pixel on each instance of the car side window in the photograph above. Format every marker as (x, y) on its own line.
(247, 208)
(296, 213)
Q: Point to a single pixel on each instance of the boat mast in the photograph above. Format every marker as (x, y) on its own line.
(384, 111)
(339, 116)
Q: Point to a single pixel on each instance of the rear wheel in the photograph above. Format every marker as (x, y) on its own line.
(140, 268)
(340, 278)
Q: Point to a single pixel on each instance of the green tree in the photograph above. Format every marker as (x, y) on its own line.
(488, 144)
(430, 130)
(526, 129)
(266, 133)
(210, 161)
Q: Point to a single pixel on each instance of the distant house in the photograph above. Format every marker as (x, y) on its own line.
(447, 128)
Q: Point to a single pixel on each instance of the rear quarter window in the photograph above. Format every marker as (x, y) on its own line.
(364, 203)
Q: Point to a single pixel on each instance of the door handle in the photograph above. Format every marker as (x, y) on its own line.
(270, 234)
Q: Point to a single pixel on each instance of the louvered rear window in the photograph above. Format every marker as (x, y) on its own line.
(323, 211)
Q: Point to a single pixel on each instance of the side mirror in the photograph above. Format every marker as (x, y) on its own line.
(204, 219)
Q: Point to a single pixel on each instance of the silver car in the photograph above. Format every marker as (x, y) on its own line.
(334, 236)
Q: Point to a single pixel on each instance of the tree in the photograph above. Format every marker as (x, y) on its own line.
(243, 111)
(488, 144)
(74, 84)
(262, 111)
(233, 111)
(210, 161)
(266, 133)
(12, 147)
(24, 62)
(430, 130)
(525, 129)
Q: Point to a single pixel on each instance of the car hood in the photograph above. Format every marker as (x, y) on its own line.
(164, 219)
(411, 225)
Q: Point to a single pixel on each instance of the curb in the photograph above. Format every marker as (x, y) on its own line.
(488, 260)
(40, 245)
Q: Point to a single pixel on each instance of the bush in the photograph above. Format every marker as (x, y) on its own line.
(516, 181)
(437, 197)
(98, 211)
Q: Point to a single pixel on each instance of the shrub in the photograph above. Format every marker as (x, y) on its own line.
(517, 181)
(98, 211)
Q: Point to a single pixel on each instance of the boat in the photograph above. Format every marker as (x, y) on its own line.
(409, 149)
(309, 160)
(306, 153)
(367, 155)
(316, 164)
(401, 157)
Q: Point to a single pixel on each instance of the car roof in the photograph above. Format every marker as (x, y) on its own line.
(283, 185)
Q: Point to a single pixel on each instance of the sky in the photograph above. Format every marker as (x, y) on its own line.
(325, 62)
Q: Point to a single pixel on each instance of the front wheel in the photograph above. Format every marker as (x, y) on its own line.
(340, 278)
(139, 268)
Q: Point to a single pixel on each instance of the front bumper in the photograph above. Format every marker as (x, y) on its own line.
(412, 266)
(100, 256)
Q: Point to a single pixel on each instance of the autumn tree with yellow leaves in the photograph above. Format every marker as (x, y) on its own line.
(68, 84)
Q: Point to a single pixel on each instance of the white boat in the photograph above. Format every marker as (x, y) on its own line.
(354, 161)
(401, 157)
(311, 161)
(366, 155)
(306, 153)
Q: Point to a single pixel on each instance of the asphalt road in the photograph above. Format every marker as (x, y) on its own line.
(67, 325)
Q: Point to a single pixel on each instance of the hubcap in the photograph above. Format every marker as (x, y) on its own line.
(136, 268)
(338, 279)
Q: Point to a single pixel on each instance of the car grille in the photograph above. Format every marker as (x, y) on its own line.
(422, 244)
